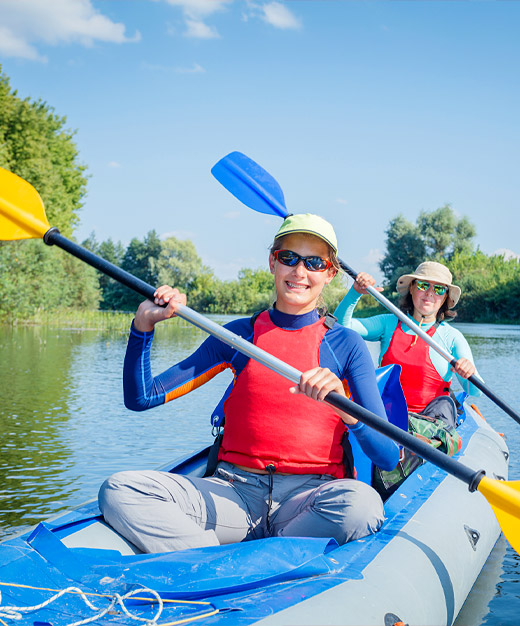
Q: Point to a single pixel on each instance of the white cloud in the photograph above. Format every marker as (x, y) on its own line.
(178, 234)
(341, 201)
(199, 8)
(506, 253)
(194, 11)
(194, 69)
(200, 30)
(232, 215)
(13, 46)
(279, 16)
(27, 23)
(114, 164)
(197, 11)
(374, 256)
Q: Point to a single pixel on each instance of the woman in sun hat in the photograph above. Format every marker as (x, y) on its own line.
(428, 297)
(281, 468)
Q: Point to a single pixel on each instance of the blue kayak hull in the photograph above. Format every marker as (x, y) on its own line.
(418, 569)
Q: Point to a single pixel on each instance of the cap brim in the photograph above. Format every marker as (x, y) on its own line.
(307, 232)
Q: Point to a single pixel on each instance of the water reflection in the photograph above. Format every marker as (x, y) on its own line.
(63, 426)
(34, 405)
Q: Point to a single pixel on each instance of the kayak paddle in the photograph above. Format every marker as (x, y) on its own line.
(258, 190)
(31, 222)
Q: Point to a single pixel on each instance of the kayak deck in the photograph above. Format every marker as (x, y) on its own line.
(419, 567)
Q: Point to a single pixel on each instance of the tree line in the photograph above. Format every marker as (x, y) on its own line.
(490, 284)
(36, 144)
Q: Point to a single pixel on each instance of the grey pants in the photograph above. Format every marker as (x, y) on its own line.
(160, 512)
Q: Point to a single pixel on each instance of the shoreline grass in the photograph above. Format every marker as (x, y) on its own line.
(121, 320)
(77, 319)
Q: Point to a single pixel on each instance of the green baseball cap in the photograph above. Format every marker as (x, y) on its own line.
(310, 224)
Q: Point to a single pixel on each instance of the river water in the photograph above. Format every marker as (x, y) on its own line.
(64, 429)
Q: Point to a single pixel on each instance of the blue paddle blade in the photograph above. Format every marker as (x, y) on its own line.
(250, 184)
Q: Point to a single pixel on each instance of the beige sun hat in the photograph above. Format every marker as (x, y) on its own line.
(433, 273)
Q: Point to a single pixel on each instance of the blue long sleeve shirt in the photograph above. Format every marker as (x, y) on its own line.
(342, 351)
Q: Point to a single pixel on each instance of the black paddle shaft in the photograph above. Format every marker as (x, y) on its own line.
(54, 237)
(420, 448)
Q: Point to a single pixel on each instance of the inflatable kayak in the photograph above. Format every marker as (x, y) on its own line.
(418, 569)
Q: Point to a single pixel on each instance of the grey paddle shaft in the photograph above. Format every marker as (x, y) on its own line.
(427, 452)
(239, 343)
(412, 325)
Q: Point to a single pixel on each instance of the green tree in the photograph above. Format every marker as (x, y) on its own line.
(252, 291)
(334, 292)
(490, 287)
(203, 294)
(141, 259)
(465, 232)
(255, 290)
(405, 249)
(35, 144)
(179, 264)
(114, 253)
(437, 235)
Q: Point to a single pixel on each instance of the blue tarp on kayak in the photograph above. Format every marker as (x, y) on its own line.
(189, 573)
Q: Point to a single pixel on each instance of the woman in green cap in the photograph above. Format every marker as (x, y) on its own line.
(281, 469)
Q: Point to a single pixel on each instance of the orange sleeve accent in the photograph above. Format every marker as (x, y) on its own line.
(347, 389)
(195, 383)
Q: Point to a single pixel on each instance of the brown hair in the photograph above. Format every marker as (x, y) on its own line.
(444, 313)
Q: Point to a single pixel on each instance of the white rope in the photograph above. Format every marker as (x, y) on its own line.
(16, 612)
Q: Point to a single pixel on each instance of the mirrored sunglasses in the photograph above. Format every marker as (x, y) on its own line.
(438, 290)
(312, 263)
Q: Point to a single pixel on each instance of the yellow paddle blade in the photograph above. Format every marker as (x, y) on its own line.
(22, 215)
(504, 498)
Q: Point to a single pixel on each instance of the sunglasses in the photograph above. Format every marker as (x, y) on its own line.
(312, 263)
(438, 290)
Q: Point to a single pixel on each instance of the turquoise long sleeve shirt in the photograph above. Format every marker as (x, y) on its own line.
(381, 328)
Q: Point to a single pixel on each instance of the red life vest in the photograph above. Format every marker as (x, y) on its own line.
(420, 381)
(268, 425)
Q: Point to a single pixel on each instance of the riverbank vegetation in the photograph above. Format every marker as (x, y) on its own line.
(490, 284)
(41, 284)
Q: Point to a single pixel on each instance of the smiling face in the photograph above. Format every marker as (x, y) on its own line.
(297, 288)
(426, 303)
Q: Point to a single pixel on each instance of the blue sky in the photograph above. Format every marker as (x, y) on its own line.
(360, 110)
